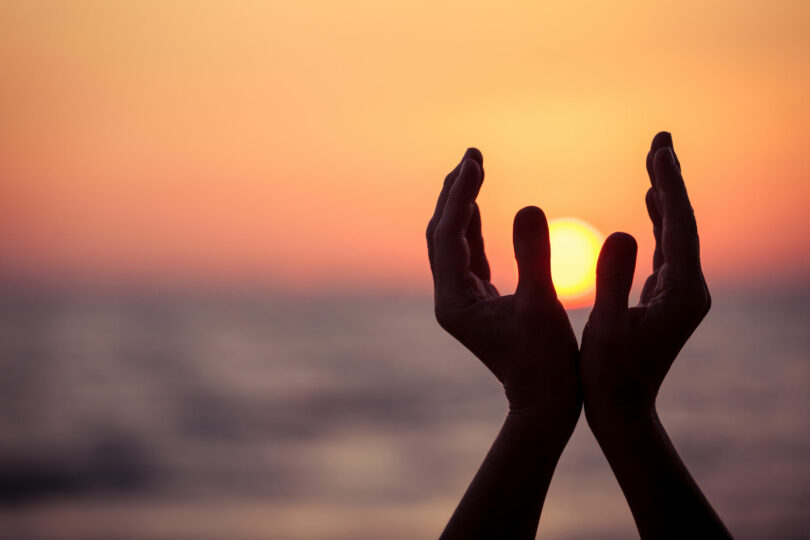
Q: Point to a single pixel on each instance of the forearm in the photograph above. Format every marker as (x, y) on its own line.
(506, 496)
(663, 497)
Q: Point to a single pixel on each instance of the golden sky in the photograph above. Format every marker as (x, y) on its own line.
(301, 144)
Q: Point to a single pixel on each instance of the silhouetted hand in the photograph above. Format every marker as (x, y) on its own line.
(627, 352)
(525, 339)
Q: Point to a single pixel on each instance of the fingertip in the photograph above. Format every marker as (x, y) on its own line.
(530, 225)
(621, 244)
(661, 139)
(617, 259)
(532, 252)
(474, 154)
(530, 218)
(530, 233)
(614, 273)
(470, 166)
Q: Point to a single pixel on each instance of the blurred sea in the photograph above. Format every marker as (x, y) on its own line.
(247, 416)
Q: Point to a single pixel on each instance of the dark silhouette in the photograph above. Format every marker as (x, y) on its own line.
(525, 339)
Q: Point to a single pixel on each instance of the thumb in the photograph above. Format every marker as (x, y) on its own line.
(533, 252)
(614, 273)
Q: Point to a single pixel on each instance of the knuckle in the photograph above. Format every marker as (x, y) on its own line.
(431, 227)
(687, 223)
(439, 231)
(441, 234)
(613, 285)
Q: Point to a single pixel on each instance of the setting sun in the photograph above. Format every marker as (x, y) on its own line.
(575, 248)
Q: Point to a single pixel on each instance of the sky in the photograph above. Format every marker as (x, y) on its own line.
(300, 145)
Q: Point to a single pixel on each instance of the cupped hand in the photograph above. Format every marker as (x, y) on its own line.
(525, 339)
(627, 352)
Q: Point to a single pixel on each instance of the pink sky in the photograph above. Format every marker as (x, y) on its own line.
(301, 145)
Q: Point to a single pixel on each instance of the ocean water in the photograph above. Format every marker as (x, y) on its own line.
(250, 416)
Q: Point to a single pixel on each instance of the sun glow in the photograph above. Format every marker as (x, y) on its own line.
(575, 248)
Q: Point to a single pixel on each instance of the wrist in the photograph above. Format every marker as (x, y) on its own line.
(554, 417)
(552, 393)
(623, 417)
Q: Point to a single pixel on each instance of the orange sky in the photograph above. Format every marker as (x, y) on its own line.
(301, 144)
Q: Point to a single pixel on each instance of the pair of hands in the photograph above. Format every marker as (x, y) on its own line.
(526, 340)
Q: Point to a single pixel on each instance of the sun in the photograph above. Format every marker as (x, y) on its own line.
(575, 248)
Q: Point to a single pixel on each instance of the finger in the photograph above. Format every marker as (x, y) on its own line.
(658, 257)
(472, 153)
(475, 240)
(655, 218)
(648, 290)
(614, 274)
(533, 253)
(661, 140)
(452, 253)
(679, 239)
